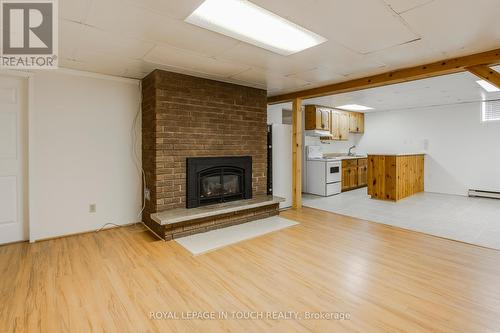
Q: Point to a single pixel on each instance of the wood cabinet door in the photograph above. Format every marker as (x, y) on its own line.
(361, 123)
(319, 119)
(344, 126)
(310, 117)
(356, 122)
(346, 179)
(325, 119)
(362, 175)
(335, 125)
(353, 177)
(353, 122)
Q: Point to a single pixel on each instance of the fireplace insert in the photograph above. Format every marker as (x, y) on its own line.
(213, 180)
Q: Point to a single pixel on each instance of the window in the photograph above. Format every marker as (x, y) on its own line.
(491, 110)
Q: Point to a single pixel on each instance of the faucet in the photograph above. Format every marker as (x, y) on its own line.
(349, 153)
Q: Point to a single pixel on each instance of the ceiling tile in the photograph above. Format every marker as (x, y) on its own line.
(470, 27)
(122, 17)
(173, 9)
(400, 6)
(257, 57)
(253, 75)
(186, 60)
(270, 81)
(74, 10)
(319, 74)
(100, 63)
(79, 36)
(407, 55)
(148, 25)
(367, 26)
(361, 25)
(189, 37)
(336, 57)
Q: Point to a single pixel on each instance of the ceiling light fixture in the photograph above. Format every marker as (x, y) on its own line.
(487, 86)
(354, 107)
(250, 23)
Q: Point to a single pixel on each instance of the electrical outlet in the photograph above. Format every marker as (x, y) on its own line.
(92, 208)
(147, 194)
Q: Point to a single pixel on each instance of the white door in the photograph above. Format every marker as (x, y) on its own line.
(282, 163)
(13, 159)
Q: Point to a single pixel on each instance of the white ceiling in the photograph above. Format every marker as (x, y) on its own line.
(130, 38)
(442, 90)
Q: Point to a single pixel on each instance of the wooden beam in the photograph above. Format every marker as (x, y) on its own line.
(297, 152)
(401, 75)
(487, 74)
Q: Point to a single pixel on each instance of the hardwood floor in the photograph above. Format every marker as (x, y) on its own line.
(387, 279)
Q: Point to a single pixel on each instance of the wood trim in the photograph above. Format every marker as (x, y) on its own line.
(487, 74)
(297, 152)
(437, 68)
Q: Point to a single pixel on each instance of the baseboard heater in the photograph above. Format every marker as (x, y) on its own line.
(484, 194)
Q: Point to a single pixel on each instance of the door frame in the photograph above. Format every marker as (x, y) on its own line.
(29, 78)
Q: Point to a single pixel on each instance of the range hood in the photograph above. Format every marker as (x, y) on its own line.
(318, 133)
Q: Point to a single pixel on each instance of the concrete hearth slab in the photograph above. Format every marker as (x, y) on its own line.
(178, 215)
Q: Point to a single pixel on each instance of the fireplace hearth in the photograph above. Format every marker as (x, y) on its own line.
(212, 180)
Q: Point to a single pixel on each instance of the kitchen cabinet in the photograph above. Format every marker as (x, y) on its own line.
(356, 122)
(395, 176)
(334, 125)
(317, 118)
(339, 125)
(328, 119)
(354, 173)
(344, 126)
(362, 172)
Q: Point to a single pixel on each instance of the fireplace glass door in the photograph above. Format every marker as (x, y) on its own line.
(220, 184)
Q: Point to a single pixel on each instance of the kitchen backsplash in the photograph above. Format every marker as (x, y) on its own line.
(334, 146)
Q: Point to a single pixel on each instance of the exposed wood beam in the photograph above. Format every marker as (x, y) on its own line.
(297, 152)
(438, 68)
(487, 74)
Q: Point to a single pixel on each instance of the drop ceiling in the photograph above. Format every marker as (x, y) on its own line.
(130, 38)
(450, 89)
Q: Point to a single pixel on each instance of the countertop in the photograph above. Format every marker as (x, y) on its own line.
(337, 158)
(396, 154)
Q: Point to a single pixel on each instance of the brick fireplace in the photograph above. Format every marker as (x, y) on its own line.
(188, 117)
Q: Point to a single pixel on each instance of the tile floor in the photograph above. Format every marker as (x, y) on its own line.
(471, 220)
(215, 239)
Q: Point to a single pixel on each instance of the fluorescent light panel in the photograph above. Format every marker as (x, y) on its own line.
(250, 23)
(354, 107)
(487, 86)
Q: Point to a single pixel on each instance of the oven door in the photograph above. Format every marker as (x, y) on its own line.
(333, 172)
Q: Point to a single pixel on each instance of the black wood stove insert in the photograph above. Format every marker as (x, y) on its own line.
(212, 180)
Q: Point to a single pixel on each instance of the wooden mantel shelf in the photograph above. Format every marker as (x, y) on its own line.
(395, 176)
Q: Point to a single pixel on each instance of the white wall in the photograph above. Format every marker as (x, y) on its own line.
(81, 153)
(275, 111)
(462, 151)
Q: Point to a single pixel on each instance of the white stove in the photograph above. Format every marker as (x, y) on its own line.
(323, 175)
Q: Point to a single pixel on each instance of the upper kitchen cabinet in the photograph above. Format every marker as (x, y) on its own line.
(317, 118)
(356, 122)
(344, 126)
(339, 125)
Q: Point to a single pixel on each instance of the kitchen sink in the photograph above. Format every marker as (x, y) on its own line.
(334, 155)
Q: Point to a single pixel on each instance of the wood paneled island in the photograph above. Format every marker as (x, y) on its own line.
(395, 176)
